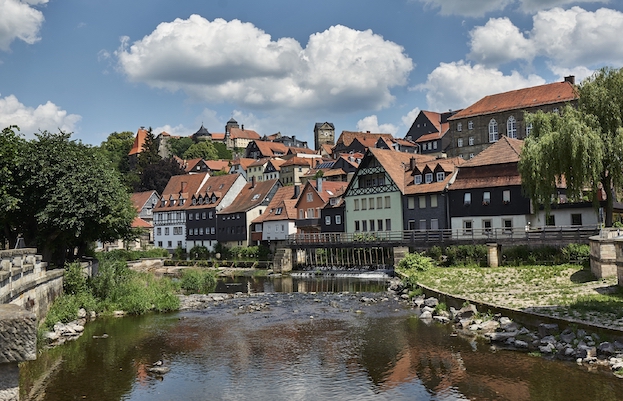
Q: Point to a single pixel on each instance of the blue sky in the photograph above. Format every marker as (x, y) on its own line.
(94, 67)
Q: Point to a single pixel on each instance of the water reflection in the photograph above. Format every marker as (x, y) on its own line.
(376, 352)
(308, 283)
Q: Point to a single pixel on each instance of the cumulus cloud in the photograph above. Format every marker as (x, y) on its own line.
(19, 20)
(371, 123)
(478, 8)
(409, 118)
(47, 116)
(340, 68)
(567, 38)
(456, 85)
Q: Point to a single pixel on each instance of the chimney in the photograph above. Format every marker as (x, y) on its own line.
(183, 187)
(319, 184)
(242, 127)
(297, 191)
(412, 164)
(570, 79)
(253, 182)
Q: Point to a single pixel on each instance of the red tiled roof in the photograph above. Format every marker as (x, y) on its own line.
(506, 150)
(520, 99)
(295, 150)
(186, 185)
(449, 166)
(140, 223)
(243, 162)
(347, 137)
(243, 134)
(282, 199)
(139, 199)
(217, 136)
(139, 141)
(217, 185)
(270, 148)
(217, 165)
(396, 163)
(247, 198)
(300, 161)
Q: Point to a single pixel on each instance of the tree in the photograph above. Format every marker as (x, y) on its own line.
(116, 148)
(202, 149)
(10, 192)
(581, 145)
(149, 152)
(222, 152)
(71, 197)
(156, 176)
(178, 146)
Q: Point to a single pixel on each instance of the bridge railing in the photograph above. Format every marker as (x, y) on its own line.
(450, 236)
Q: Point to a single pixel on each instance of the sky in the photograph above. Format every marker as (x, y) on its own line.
(94, 67)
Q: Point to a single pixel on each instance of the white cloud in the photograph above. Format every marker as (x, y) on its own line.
(580, 73)
(371, 123)
(18, 20)
(478, 8)
(407, 120)
(498, 42)
(30, 120)
(569, 39)
(236, 62)
(178, 130)
(456, 85)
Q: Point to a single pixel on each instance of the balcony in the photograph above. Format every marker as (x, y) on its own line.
(302, 223)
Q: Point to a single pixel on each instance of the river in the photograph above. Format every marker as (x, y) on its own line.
(299, 345)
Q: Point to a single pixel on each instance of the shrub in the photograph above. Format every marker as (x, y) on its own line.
(198, 281)
(463, 255)
(574, 253)
(75, 279)
(199, 252)
(412, 264)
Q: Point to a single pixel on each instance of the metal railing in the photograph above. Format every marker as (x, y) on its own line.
(545, 235)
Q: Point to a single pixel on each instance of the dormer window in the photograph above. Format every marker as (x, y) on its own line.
(441, 176)
(195, 201)
(418, 179)
(256, 197)
(428, 178)
(279, 210)
(213, 200)
(182, 201)
(163, 203)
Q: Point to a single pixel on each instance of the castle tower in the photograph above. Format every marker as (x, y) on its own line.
(324, 133)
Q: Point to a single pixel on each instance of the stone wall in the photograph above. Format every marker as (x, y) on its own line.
(18, 343)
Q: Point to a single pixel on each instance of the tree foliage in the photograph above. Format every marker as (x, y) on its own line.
(116, 148)
(222, 151)
(70, 196)
(10, 192)
(156, 176)
(202, 149)
(582, 146)
(179, 146)
(149, 153)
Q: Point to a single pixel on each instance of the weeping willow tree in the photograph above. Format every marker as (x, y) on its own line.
(582, 146)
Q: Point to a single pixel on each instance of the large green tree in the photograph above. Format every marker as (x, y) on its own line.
(116, 148)
(157, 175)
(149, 152)
(178, 146)
(582, 146)
(201, 149)
(10, 192)
(71, 197)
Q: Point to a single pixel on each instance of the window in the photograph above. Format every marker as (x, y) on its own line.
(364, 225)
(508, 225)
(459, 142)
(433, 201)
(379, 203)
(576, 219)
(310, 197)
(486, 226)
(159, 231)
(327, 220)
(356, 204)
(411, 225)
(203, 216)
(470, 141)
(279, 210)
(190, 216)
(166, 231)
(471, 155)
(467, 199)
(550, 220)
(179, 244)
(555, 111)
(470, 125)
(434, 224)
(201, 231)
(169, 244)
(379, 224)
(364, 204)
(212, 230)
(310, 213)
(435, 145)
(411, 202)
(177, 230)
(371, 203)
(338, 219)
(301, 214)
(422, 202)
(371, 225)
(422, 226)
(388, 224)
(210, 214)
(428, 177)
(511, 127)
(486, 198)
(159, 244)
(357, 228)
(388, 203)
(197, 216)
(459, 127)
(418, 179)
(506, 196)
(441, 176)
(467, 226)
(493, 131)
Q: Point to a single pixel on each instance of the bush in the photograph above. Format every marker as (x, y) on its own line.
(198, 281)
(75, 279)
(412, 264)
(199, 252)
(124, 254)
(464, 255)
(577, 253)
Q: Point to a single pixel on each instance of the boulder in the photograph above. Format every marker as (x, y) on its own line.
(467, 312)
(586, 352)
(501, 336)
(432, 302)
(489, 326)
(567, 336)
(606, 348)
(547, 329)
(548, 340)
(441, 319)
(426, 315)
(521, 344)
(547, 349)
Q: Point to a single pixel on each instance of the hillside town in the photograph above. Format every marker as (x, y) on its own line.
(455, 170)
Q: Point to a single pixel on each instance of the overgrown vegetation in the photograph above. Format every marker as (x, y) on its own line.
(198, 281)
(412, 265)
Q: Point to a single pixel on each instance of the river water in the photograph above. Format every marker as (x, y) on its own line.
(299, 345)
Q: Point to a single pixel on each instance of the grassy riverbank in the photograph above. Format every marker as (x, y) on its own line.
(565, 290)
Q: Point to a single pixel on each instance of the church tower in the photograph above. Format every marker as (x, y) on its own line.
(324, 133)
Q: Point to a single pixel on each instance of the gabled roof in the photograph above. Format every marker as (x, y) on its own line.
(276, 163)
(284, 199)
(299, 161)
(238, 133)
(347, 137)
(520, 99)
(139, 199)
(251, 196)
(506, 150)
(189, 165)
(329, 190)
(319, 125)
(448, 166)
(243, 162)
(181, 185)
(328, 149)
(295, 150)
(218, 136)
(139, 141)
(270, 148)
(396, 163)
(217, 165)
(259, 162)
(215, 185)
(140, 223)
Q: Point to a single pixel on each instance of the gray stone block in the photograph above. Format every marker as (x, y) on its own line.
(18, 334)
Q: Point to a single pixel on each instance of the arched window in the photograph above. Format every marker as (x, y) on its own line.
(511, 127)
(493, 131)
(528, 129)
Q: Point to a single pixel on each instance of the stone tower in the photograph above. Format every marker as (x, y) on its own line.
(324, 133)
